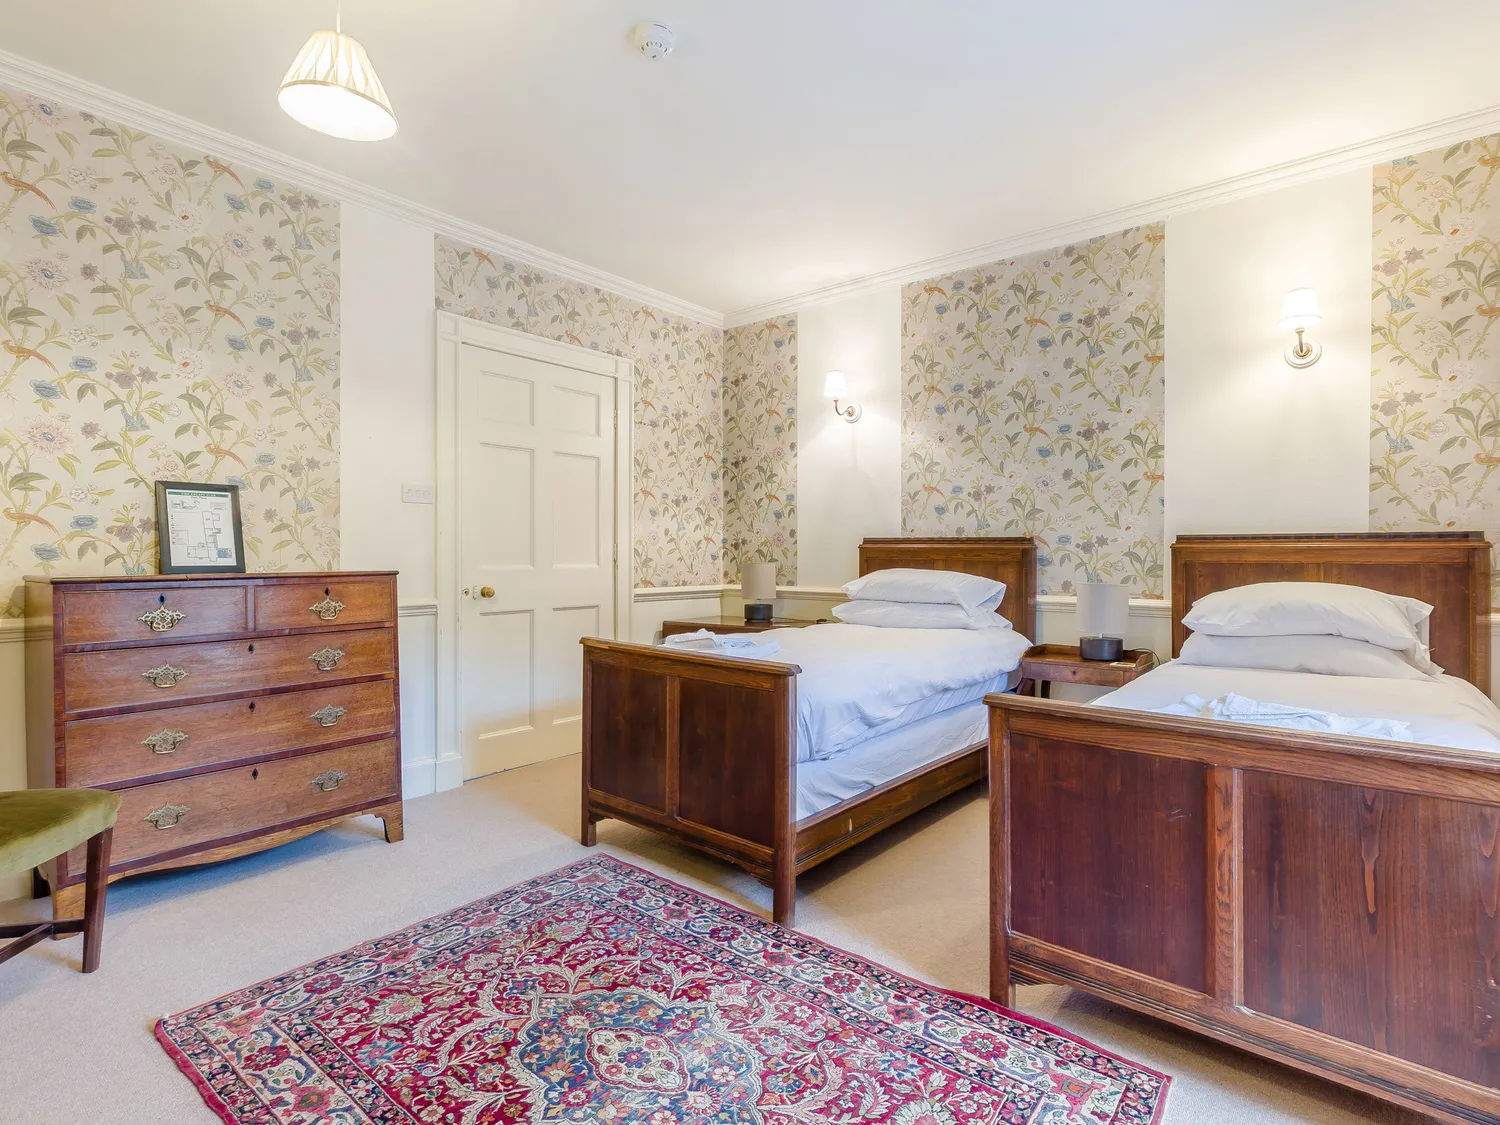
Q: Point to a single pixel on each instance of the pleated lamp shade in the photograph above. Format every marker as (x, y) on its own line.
(331, 87)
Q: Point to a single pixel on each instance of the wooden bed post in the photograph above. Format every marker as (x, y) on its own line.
(1000, 986)
(588, 832)
(784, 846)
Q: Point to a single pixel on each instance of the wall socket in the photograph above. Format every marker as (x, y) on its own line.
(416, 494)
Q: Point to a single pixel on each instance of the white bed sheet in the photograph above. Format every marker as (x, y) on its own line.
(859, 682)
(888, 756)
(1444, 711)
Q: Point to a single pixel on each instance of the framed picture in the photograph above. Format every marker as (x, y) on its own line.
(198, 528)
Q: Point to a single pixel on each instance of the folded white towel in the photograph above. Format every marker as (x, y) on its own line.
(1238, 709)
(755, 646)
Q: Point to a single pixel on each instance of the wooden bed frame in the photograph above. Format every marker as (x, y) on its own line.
(702, 748)
(1332, 903)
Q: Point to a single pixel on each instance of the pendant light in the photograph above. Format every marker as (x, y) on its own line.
(331, 87)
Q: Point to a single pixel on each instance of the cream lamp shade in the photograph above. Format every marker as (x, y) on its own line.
(1299, 309)
(758, 582)
(1103, 609)
(835, 385)
(331, 87)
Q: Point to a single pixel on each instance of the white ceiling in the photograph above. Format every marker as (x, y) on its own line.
(792, 144)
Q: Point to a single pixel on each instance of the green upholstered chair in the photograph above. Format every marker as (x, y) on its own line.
(40, 824)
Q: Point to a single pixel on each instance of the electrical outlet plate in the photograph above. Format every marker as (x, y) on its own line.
(416, 494)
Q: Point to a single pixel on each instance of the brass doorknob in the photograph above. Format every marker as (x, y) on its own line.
(486, 591)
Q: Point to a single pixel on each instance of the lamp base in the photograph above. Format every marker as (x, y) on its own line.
(1101, 648)
(758, 613)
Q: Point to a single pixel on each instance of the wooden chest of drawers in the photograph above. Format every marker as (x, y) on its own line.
(233, 712)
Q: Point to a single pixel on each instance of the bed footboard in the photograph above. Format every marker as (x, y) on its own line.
(699, 748)
(1332, 903)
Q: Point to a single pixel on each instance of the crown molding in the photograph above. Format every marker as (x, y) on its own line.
(35, 78)
(1450, 130)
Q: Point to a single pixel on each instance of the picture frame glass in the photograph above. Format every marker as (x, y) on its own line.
(198, 528)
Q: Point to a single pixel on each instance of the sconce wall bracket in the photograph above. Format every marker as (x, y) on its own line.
(851, 413)
(1304, 353)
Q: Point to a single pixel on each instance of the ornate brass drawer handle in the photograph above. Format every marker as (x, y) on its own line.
(166, 676)
(165, 741)
(168, 816)
(161, 618)
(327, 609)
(329, 716)
(327, 658)
(330, 780)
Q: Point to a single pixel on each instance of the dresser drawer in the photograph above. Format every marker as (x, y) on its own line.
(166, 674)
(214, 807)
(124, 748)
(309, 604)
(201, 610)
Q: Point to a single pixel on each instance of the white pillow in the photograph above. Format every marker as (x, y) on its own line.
(1277, 609)
(948, 587)
(917, 615)
(1324, 655)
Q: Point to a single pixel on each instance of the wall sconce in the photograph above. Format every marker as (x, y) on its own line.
(1299, 312)
(835, 386)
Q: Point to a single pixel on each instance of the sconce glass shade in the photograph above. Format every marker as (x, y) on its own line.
(758, 582)
(332, 88)
(1299, 309)
(1103, 609)
(835, 385)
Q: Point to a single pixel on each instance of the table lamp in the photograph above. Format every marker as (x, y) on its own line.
(1103, 613)
(758, 589)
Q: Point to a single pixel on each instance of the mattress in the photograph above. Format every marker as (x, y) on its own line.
(821, 784)
(859, 682)
(1442, 711)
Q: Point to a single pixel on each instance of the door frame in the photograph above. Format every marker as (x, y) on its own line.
(453, 334)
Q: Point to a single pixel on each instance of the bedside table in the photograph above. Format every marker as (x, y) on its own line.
(731, 625)
(1048, 664)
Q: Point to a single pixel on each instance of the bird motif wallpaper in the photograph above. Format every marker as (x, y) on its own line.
(163, 316)
(760, 447)
(1435, 421)
(679, 408)
(1032, 404)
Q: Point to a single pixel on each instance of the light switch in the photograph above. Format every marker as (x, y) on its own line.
(416, 494)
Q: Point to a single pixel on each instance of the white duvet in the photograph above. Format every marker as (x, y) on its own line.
(858, 682)
(1445, 711)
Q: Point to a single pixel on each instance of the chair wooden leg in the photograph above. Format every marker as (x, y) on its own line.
(97, 884)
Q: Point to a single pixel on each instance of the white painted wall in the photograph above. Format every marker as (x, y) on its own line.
(1251, 443)
(388, 395)
(848, 476)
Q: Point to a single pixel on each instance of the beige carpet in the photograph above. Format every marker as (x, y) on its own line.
(79, 1049)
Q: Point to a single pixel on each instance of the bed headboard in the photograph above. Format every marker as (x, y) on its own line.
(1448, 570)
(1011, 560)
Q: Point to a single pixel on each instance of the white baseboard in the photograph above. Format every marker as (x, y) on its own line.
(449, 772)
(419, 778)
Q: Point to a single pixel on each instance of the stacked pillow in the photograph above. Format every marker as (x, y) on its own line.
(1323, 627)
(903, 598)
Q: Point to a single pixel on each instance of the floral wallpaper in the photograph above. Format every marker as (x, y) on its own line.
(679, 418)
(1435, 430)
(163, 316)
(760, 447)
(1032, 404)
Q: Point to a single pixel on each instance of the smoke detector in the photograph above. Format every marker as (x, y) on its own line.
(655, 40)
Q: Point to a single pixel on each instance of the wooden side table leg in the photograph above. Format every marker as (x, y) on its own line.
(67, 902)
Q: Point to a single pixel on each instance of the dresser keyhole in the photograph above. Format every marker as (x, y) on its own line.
(252, 705)
(327, 591)
(161, 599)
(255, 775)
(252, 648)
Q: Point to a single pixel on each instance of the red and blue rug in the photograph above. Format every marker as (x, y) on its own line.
(603, 994)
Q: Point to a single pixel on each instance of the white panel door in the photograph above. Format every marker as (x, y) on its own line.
(537, 552)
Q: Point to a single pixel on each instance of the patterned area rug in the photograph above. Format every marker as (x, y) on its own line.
(601, 993)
